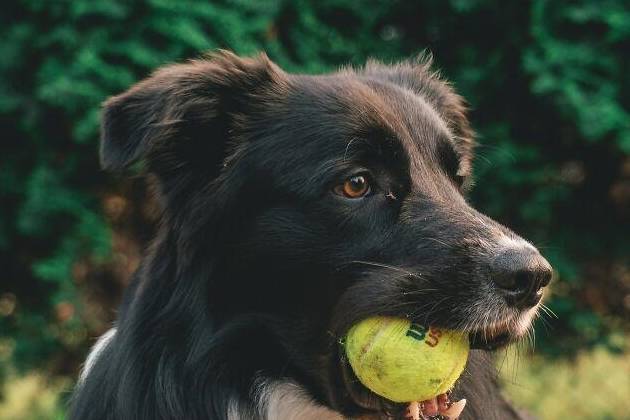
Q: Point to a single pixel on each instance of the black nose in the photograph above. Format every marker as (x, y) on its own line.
(520, 274)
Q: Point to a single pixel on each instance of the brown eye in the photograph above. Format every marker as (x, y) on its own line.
(354, 187)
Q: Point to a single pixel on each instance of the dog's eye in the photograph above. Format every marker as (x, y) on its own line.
(356, 186)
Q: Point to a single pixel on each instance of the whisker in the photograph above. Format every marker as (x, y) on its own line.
(439, 241)
(503, 359)
(548, 310)
(391, 267)
(418, 292)
(546, 325)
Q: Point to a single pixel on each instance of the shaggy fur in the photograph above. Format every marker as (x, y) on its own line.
(259, 268)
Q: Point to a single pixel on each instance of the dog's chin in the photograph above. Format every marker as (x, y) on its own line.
(502, 333)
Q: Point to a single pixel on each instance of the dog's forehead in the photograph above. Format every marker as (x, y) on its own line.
(325, 126)
(346, 106)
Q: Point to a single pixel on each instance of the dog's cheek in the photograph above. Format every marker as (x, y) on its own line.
(283, 234)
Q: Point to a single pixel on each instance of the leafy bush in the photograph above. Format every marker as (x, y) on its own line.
(548, 88)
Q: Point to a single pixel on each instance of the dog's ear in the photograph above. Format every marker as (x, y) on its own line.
(180, 107)
(418, 76)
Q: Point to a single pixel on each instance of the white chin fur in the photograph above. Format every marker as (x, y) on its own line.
(524, 321)
(288, 400)
(283, 400)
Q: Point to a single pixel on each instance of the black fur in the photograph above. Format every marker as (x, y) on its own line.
(259, 268)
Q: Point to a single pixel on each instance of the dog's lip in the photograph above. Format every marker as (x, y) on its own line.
(492, 337)
(478, 340)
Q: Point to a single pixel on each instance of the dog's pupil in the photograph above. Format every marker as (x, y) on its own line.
(357, 184)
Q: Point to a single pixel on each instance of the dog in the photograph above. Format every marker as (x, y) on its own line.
(291, 207)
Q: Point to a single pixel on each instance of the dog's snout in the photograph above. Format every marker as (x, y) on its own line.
(520, 274)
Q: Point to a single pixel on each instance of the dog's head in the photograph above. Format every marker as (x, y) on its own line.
(322, 200)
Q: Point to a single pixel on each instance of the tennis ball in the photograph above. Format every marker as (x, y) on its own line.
(404, 361)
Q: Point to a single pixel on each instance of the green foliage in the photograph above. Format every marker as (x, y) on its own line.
(547, 82)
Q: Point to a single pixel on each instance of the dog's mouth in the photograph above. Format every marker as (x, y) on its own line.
(492, 329)
(502, 333)
(491, 339)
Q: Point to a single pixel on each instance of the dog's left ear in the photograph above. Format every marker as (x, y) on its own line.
(182, 113)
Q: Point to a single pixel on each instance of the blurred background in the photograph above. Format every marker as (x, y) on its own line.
(549, 90)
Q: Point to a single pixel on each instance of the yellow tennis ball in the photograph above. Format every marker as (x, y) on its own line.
(405, 362)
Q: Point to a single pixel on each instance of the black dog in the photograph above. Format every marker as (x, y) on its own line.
(294, 206)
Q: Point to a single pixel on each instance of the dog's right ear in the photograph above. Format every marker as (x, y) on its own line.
(188, 103)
